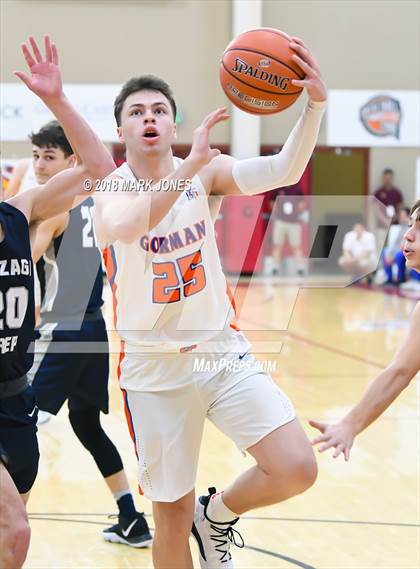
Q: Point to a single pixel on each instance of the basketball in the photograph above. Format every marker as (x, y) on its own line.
(256, 71)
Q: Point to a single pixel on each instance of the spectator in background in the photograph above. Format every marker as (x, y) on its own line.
(287, 207)
(392, 255)
(359, 252)
(391, 198)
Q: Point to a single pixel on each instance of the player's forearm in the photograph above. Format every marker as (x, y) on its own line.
(379, 396)
(161, 201)
(94, 154)
(37, 247)
(61, 193)
(138, 216)
(301, 142)
(257, 175)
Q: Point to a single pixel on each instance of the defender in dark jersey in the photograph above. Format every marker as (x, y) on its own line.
(71, 356)
(18, 443)
(17, 404)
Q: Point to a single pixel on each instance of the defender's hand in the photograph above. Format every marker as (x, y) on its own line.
(45, 74)
(341, 436)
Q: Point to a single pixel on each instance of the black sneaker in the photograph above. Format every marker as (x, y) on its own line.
(214, 538)
(134, 532)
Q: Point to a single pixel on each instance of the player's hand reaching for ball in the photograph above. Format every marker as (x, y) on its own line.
(45, 75)
(313, 81)
(201, 153)
(340, 436)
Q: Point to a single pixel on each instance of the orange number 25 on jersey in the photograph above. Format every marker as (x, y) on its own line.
(167, 286)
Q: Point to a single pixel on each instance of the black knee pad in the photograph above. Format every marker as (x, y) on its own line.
(88, 429)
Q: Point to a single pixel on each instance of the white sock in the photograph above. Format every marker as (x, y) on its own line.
(120, 494)
(217, 510)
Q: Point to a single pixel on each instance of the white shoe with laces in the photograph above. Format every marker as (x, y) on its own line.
(214, 538)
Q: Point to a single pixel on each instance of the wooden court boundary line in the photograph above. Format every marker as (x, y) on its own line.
(250, 547)
(280, 556)
(327, 521)
(261, 550)
(41, 516)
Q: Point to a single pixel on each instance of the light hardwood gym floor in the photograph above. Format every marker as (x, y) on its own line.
(359, 515)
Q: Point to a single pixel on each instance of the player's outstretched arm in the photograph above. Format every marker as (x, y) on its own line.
(42, 234)
(228, 176)
(378, 397)
(123, 217)
(62, 192)
(44, 79)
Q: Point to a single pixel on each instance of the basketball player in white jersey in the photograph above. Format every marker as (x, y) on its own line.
(171, 301)
(392, 380)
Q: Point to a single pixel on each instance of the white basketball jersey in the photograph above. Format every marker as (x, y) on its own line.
(169, 287)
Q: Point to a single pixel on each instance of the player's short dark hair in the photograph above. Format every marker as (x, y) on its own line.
(388, 171)
(142, 83)
(416, 207)
(51, 135)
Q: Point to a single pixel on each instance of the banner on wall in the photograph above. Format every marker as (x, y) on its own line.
(21, 112)
(373, 118)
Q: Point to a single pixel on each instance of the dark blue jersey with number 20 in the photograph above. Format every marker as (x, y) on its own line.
(17, 313)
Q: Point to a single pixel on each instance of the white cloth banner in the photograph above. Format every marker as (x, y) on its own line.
(373, 118)
(21, 112)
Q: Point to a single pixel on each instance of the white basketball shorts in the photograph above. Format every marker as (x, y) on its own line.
(172, 396)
